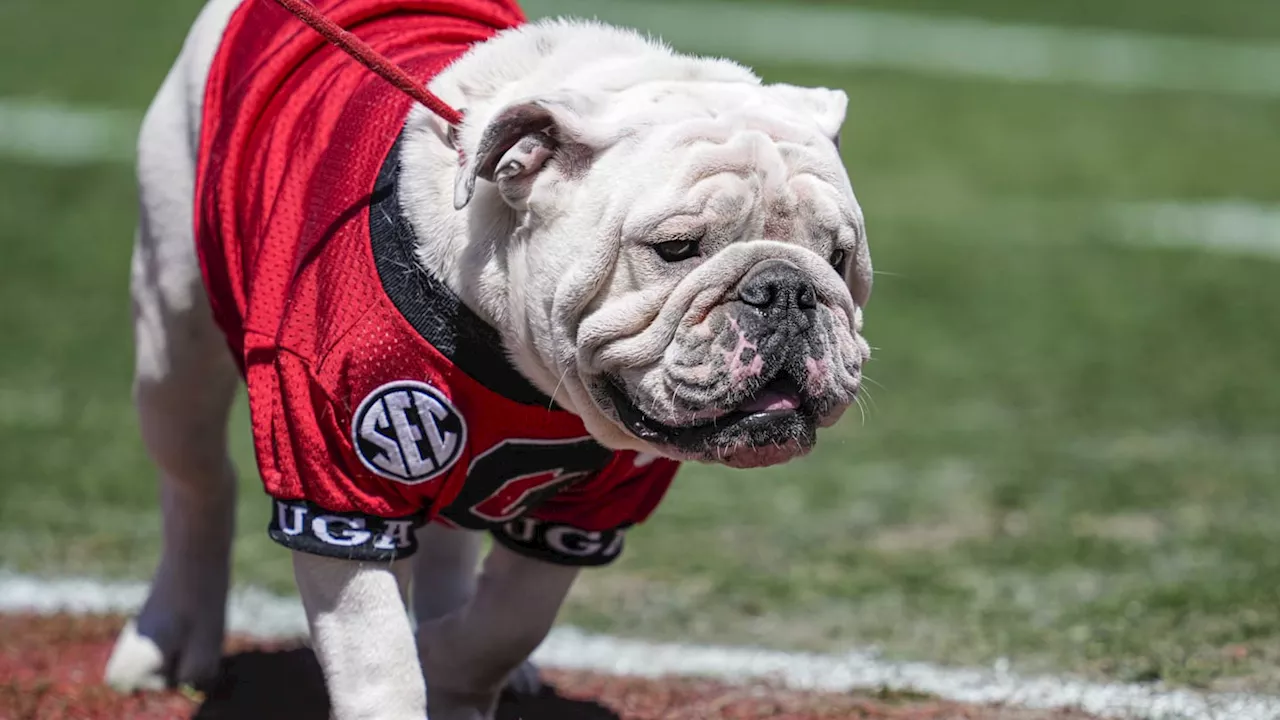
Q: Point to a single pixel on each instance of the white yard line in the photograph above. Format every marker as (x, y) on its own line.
(59, 135)
(53, 134)
(261, 614)
(834, 35)
(1227, 227)
(826, 35)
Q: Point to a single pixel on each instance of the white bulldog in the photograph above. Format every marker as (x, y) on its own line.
(667, 246)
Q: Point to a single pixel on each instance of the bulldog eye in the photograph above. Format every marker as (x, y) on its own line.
(677, 250)
(837, 260)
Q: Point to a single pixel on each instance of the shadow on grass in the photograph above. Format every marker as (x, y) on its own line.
(269, 685)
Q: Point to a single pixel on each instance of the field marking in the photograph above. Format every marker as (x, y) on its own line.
(833, 35)
(54, 134)
(261, 614)
(1222, 227)
(60, 135)
(1226, 227)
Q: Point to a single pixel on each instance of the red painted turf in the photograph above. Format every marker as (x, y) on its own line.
(51, 667)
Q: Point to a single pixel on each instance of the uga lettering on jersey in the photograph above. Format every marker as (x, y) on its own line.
(408, 431)
(299, 525)
(559, 543)
(515, 476)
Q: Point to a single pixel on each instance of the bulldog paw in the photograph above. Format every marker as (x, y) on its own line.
(137, 662)
(151, 655)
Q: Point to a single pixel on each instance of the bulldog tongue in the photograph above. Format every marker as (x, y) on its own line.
(771, 401)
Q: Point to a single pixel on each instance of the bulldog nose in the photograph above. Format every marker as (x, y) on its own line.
(777, 284)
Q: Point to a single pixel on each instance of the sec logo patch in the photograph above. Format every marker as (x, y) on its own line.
(408, 432)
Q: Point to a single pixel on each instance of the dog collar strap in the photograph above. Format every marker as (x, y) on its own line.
(370, 58)
(438, 315)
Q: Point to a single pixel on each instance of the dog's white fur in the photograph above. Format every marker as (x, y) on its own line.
(578, 295)
(676, 143)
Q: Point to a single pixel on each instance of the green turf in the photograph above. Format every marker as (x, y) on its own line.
(112, 53)
(1070, 453)
(1228, 19)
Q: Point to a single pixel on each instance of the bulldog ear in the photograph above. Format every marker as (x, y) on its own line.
(827, 107)
(516, 145)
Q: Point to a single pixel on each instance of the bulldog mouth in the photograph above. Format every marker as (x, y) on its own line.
(776, 412)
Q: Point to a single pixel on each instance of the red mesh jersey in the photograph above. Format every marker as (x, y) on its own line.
(378, 399)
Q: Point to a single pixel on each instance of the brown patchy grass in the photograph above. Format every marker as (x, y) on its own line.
(50, 669)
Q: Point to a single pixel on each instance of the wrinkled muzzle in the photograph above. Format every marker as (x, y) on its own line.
(750, 384)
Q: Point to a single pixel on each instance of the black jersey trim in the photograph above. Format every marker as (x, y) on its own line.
(435, 311)
(560, 544)
(307, 527)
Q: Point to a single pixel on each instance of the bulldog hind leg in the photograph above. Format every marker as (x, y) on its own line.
(184, 384)
(183, 389)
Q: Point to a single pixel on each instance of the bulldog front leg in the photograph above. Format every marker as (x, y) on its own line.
(468, 654)
(361, 634)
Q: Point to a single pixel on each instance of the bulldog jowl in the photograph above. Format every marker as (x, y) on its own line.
(764, 381)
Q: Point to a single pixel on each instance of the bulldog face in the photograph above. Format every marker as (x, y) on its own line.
(688, 266)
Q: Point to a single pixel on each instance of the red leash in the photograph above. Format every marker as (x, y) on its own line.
(370, 58)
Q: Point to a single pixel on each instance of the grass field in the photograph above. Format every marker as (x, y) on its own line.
(1072, 451)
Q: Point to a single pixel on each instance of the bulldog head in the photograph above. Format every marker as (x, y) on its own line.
(684, 259)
